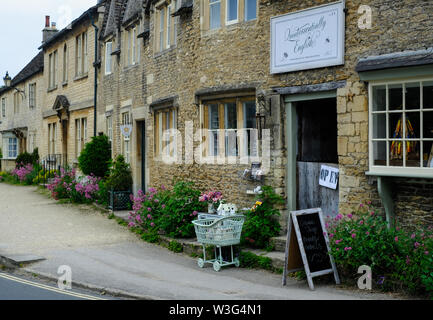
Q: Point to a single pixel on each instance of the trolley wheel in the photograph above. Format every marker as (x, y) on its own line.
(216, 266)
(200, 263)
(237, 262)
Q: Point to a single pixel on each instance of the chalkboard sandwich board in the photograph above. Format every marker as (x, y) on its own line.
(307, 246)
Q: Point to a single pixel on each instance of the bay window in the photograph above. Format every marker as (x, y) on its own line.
(401, 126)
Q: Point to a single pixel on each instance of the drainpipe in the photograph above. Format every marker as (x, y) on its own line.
(95, 66)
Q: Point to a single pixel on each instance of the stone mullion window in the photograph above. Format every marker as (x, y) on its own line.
(108, 57)
(401, 126)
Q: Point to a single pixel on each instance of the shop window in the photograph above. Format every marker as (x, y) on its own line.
(401, 116)
(230, 127)
(164, 139)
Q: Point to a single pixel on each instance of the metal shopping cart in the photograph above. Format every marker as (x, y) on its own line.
(220, 232)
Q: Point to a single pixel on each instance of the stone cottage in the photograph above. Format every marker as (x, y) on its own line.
(21, 112)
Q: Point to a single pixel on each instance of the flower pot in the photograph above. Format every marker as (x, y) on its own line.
(210, 208)
(119, 200)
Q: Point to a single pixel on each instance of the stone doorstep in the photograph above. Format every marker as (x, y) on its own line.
(191, 246)
(18, 260)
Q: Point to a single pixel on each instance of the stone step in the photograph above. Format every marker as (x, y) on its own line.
(277, 257)
(279, 243)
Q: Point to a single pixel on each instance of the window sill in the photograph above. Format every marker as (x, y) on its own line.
(81, 76)
(130, 67)
(52, 88)
(420, 173)
(65, 83)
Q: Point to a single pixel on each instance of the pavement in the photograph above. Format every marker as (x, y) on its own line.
(105, 256)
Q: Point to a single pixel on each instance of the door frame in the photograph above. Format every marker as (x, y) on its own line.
(291, 134)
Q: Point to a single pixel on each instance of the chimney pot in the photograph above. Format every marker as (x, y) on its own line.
(47, 21)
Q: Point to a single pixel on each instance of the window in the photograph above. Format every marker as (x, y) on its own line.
(165, 120)
(401, 121)
(231, 11)
(32, 141)
(167, 26)
(215, 14)
(250, 10)
(32, 95)
(52, 137)
(81, 55)
(12, 148)
(231, 127)
(126, 146)
(3, 107)
(80, 135)
(52, 70)
(108, 60)
(17, 102)
(132, 47)
(65, 64)
(161, 28)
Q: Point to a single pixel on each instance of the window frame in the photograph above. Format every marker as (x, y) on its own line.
(230, 22)
(126, 141)
(160, 127)
(215, 3)
(32, 95)
(81, 55)
(65, 63)
(108, 58)
(388, 170)
(242, 148)
(3, 106)
(246, 10)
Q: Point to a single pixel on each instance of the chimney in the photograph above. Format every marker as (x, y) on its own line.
(48, 31)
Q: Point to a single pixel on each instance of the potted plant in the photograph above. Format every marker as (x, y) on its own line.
(119, 184)
(213, 198)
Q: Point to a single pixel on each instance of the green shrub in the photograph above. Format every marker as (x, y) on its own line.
(251, 260)
(95, 157)
(398, 258)
(102, 194)
(120, 177)
(23, 159)
(260, 222)
(175, 246)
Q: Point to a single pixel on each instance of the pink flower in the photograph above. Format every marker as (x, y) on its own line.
(331, 235)
(152, 224)
(412, 236)
(338, 241)
(149, 217)
(195, 213)
(347, 248)
(416, 244)
(396, 239)
(361, 222)
(163, 206)
(426, 252)
(367, 233)
(149, 209)
(353, 235)
(350, 216)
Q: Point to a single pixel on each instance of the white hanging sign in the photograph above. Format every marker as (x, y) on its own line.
(329, 177)
(308, 39)
(126, 129)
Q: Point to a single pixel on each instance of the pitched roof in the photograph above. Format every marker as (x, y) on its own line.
(132, 10)
(35, 66)
(117, 8)
(86, 15)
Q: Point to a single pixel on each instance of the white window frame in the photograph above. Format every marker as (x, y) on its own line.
(401, 171)
(215, 3)
(161, 28)
(12, 154)
(229, 22)
(126, 148)
(246, 10)
(168, 38)
(85, 53)
(79, 56)
(32, 95)
(108, 57)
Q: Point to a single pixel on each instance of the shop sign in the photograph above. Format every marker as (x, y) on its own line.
(308, 39)
(329, 177)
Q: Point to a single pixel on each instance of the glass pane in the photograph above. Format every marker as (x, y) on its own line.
(379, 153)
(428, 95)
(428, 154)
(395, 97)
(215, 15)
(250, 9)
(413, 156)
(413, 125)
(395, 125)
(213, 117)
(428, 124)
(250, 114)
(231, 116)
(379, 98)
(232, 10)
(413, 96)
(379, 126)
(396, 153)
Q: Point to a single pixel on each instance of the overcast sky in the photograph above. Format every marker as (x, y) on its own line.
(21, 24)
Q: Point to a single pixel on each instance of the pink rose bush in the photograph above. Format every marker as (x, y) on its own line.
(401, 257)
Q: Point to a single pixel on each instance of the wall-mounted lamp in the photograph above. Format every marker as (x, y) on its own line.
(260, 123)
(8, 80)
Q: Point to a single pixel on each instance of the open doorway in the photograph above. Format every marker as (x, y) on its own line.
(316, 146)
